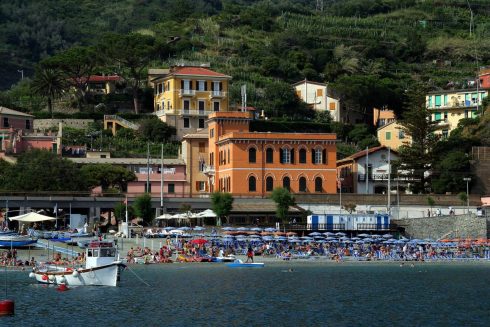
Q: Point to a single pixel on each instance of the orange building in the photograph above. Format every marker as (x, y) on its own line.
(254, 163)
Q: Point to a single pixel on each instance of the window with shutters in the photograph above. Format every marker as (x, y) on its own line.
(318, 156)
(252, 155)
(186, 85)
(318, 185)
(201, 85)
(202, 147)
(252, 184)
(216, 88)
(302, 184)
(187, 105)
(269, 184)
(171, 188)
(216, 105)
(286, 183)
(201, 186)
(302, 156)
(285, 156)
(319, 93)
(269, 155)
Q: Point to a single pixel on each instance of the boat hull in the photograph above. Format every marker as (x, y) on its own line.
(16, 244)
(106, 275)
(245, 265)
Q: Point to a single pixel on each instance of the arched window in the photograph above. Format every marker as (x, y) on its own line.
(252, 155)
(302, 156)
(302, 184)
(252, 184)
(269, 155)
(269, 184)
(285, 156)
(318, 184)
(286, 183)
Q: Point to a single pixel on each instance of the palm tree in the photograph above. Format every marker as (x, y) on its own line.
(49, 83)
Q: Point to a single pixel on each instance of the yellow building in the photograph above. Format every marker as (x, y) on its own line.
(392, 136)
(383, 116)
(448, 107)
(186, 95)
(195, 154)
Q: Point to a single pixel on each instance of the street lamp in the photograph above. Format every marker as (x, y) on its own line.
(467, 180)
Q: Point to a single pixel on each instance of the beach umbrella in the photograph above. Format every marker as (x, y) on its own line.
(387, 236)
(363, 235)
(270, 229)
(169, 228)
(368, 239)
(242, 229)
(228, 229)
(347, 241)
(319, 237)
(208, 213)
(375, 236)
(267, 238)
(254, 236)
(256, 229)
(339, 234)
(199, 228)
(185, 228)
(291, 233)
(315, 234)
(344, 238)
(330, 238)
(165, 216)
(31, 217)
(355, 238)
(329, 234)
(199, 241)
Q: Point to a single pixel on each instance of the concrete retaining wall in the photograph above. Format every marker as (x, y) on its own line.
(44, 124)
(461, 226)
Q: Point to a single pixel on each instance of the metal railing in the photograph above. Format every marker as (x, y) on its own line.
(122, 121)
(186, 92)
(480, 153)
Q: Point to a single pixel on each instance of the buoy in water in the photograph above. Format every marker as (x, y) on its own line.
(32, 275)
(7, 308)
(62, 288)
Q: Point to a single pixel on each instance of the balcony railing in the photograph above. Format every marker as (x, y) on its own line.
(217, 94)
(188, 112)
(372, 177)
(208, 170)
(188, 93)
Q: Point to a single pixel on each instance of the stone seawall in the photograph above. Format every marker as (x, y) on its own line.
(461, 226)
(44, 124)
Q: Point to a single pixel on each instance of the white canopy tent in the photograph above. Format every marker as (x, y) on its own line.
(165, 216)
(31, 217)
(208, 213)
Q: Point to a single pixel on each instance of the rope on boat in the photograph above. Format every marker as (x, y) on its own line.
(139, 278)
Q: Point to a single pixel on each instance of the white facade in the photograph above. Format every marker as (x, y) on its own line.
(378, 172)
(315, 95)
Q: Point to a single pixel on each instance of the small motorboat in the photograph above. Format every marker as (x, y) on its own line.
(102, 268)
(16, 240)
(228, 258)
(240, 264)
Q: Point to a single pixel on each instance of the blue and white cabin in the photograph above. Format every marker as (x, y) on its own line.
(341, 222)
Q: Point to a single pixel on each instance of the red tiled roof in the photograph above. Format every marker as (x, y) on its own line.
(98, 78)
(196, 71)
(363, 153)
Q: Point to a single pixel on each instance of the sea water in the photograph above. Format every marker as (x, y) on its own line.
(281, 294)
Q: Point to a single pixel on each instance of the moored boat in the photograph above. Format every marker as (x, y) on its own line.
(101, 268)
(240, 264)
(16, 240)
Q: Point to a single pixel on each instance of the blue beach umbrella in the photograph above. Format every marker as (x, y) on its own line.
(228, 229)
(256, 229)
(315, 234)
(329, 234)
(199, 228)
(339, 234)
(270, 229)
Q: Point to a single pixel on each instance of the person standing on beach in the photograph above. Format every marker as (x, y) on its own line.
(250, 254)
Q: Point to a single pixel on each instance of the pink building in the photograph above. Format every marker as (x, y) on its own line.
(17, 136)
(174, 175)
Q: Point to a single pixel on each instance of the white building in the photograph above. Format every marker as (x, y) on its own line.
(367, 172)
(316, 95)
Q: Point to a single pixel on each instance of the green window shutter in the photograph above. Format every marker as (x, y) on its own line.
(445, 99)
(430, 101)
(437, 116)
(438, 100)
(388, 135)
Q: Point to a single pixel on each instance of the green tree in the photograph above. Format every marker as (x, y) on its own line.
(155, 130)
(120, 211)
(48, 83)
(44, 171)
(76, 65)
(221, 203)
(449, 171)
(463, 197)
(416, 159)
(283, 199)
(431, 202)
(107, 176)
(133, 53)
(142, 208)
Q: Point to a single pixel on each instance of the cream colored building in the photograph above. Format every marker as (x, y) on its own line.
(383, 116)
(448, 107)
(195, 154)
(392, 136)
(316, 96)
(187, 95)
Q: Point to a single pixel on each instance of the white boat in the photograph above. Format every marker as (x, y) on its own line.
(16, 240)
(101, 268)
(240, 264)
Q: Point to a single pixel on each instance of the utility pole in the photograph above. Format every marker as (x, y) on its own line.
(161, 181)
(148, 168)
(467, 180)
